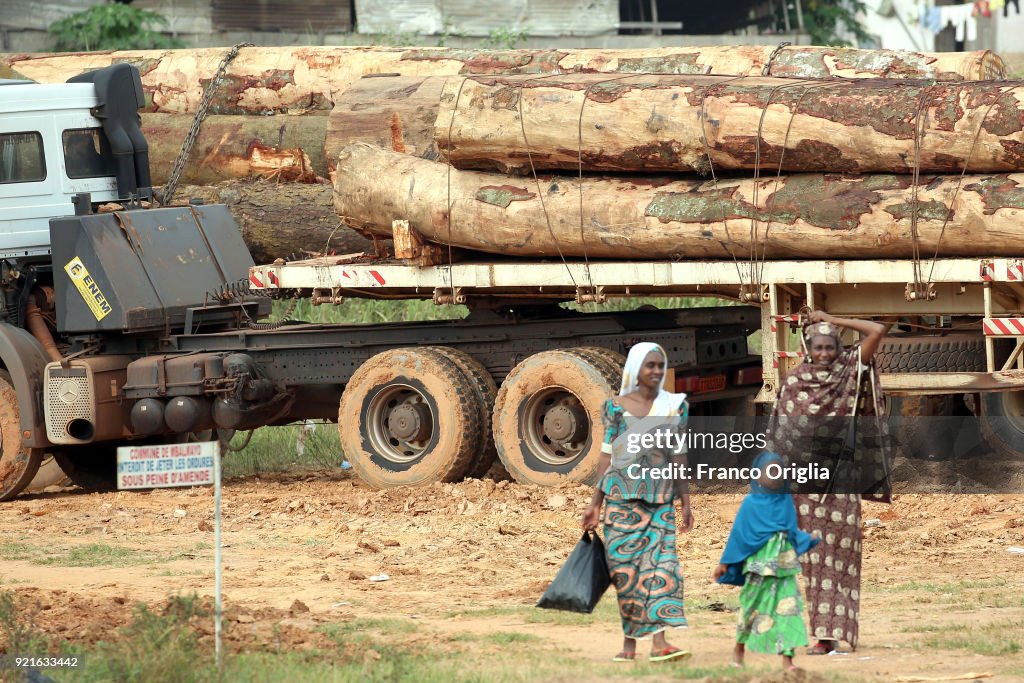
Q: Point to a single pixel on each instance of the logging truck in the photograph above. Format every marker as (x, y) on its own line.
(128, 324)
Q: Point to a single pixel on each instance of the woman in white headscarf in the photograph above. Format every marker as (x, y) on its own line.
(639, 518)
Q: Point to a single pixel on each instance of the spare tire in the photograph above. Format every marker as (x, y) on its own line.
(930, 353)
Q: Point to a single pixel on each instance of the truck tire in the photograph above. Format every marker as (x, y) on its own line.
(91, 467)
(613, 358)
(409, 417)
(1001, 420)
(539, 446)
(950, 353)
(18, 464)
(485, 452)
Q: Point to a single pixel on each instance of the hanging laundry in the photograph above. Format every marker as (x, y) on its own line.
(981, 9)
(1006, 8)
(996, 5)
(965, 26)
(931, 19)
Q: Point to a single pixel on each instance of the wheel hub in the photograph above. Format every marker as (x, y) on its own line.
(409, 422)
(564, 423)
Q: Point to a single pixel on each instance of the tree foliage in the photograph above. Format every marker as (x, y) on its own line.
(826, 20)
(111, 26)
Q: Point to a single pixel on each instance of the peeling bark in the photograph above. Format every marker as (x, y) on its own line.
(799, 216)
(658, 123)
(278, 147)
(282, 220)
(311, 79)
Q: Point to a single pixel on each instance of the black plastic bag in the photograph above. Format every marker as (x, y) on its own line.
(582, 580)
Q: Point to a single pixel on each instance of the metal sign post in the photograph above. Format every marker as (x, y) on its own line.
(185, 464)
(216, 554)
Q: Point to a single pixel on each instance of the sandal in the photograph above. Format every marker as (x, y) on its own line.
(822, 647)
(669, 653)
(624, 657)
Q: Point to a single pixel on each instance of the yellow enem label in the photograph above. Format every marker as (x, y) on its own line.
(88, 288)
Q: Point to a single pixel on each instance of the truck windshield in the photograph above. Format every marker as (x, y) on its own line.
(87, 153)
(21, 158)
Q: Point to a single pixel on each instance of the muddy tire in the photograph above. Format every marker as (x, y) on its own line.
(951, 353)
(409, 417)
(547, 418)
(18, 464)
(485, 454)
(1001, 419)
(613, 358)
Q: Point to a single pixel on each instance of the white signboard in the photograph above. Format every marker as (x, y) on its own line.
(183, 464)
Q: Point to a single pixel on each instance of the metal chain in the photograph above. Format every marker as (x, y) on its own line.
(767, 70)
(197, 122)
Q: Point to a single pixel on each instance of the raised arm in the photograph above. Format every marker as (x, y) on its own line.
(872, 332)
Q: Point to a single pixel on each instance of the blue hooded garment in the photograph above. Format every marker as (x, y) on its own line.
(762, 513)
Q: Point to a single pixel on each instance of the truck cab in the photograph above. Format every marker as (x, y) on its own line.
(62, 141)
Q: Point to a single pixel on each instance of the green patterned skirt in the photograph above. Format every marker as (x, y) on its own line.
(771, 610)
(640, 541)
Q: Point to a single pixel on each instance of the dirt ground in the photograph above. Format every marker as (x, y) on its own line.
(299, 551)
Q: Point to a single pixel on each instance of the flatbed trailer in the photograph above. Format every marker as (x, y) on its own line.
(959, 323)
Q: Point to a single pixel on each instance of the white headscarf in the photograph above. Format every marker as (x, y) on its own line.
(635, 362)
(665, 405)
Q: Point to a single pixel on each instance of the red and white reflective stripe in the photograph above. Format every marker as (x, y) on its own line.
(1015, 271)
(377, 276)
(988, 271)
(1004, 327)
(787, 318)
(273, 278)
(255, 281)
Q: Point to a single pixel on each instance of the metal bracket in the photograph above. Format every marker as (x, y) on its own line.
(326, 296)
(446, 296)
(590, 295)
(920, 291)
(753, 294)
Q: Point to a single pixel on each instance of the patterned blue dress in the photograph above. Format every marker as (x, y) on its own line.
(640, 534)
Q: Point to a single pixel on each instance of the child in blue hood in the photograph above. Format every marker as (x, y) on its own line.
(761, 555)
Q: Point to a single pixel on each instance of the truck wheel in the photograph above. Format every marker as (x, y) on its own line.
(18, 464)
(92, 467)
(613, 358)
(485, 452)
(1001, 419)
(547, 418)
(409, 417)
(951, 353)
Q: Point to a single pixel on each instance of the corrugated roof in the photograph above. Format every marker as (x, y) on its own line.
(282, 15)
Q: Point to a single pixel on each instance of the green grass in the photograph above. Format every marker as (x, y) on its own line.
(91, 555)
(276, 449)
(994, 639)
(511, 637)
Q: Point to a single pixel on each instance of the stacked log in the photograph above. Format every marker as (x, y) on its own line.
(834, 169)
(269, 116)
(300, 80)
(664, 217)
(282, 220)
(655, 123)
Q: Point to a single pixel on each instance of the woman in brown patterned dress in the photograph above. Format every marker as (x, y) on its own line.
(821, 395)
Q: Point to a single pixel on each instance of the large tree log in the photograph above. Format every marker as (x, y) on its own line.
(286, 220)
(279, 147)
(396, 112)
(696, 123)
(304, 79)
(799, 216)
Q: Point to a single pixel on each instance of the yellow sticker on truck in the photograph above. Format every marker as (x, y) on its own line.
(88, 288)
